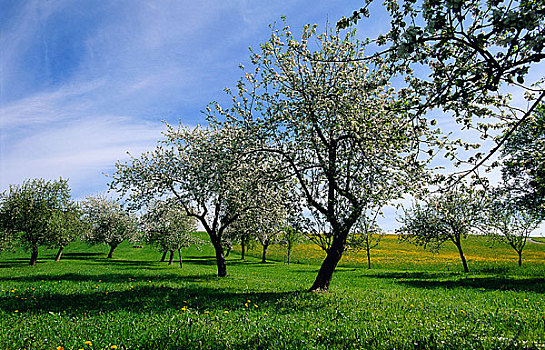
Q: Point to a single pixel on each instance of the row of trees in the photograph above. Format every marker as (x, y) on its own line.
(41, 213)
(32, 216)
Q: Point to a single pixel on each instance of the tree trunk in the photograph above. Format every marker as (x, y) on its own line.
(321, 284)
(112, 248)
(180, 254)
(368, 257)
(520, 257)
(34, 255)
(220, 260)
(227, 251)
(171, 259)
(59, 253)
(163, 258)
(264, 256)
(464, 262)
(289, 253)
(242, 249)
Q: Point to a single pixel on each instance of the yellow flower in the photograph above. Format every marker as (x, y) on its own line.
(246, 304)
(88, 343)
(113, 347)
(207, 312)
(16, 311)
(412, 305)
(184, 308)
(60, 348)
(255, 305)
(462, 311)
(248, 301)
(226, 312)
(525, 299)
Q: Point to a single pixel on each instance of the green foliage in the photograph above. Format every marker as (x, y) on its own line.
(448, 216)
(168, 227)
(38, 212)
(107, 222)
(366, 235)
(510, 223)
(523, 160)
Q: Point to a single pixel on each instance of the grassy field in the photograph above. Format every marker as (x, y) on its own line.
(409, 300)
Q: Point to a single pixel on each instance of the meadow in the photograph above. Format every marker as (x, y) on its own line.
(410, 299)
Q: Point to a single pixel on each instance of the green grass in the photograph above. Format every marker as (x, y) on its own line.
(134, 302)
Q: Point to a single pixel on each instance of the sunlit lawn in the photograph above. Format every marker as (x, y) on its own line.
(409, 300)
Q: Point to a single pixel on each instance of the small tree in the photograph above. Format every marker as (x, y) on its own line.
(290, 236)
(31, 213)
(209, 172)
(68, 227)
(511, 224)
(366, 235)
(238, 232)
(108, 222)
(169, 228)
(448, 216)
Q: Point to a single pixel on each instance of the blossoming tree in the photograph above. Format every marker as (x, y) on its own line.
(208, 172)
(331, 122)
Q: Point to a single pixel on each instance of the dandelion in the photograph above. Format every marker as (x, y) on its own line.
(88, 343)
(60, 348)
(226, 312)
(525, 299)
(516, 310)
(16, 311)
(462, 311)
(255, 305)
(248, 301)
(184, 308)
(246, 304)
(412, 305)
(207, 312)
(113, 347)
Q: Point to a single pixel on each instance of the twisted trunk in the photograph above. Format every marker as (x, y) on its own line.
(34, 255)
(112, 248)
(171, 259)
(458, 244)
(220, 260)
(163, 258)
(264, 256)
(59, 253)
(242, 249)
(334, 254)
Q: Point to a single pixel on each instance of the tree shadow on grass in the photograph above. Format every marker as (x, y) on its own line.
(536, 285)
(429, 280)
(139, 295)
(81, 256)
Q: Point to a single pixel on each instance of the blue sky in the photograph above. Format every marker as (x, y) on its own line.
(84, 82)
